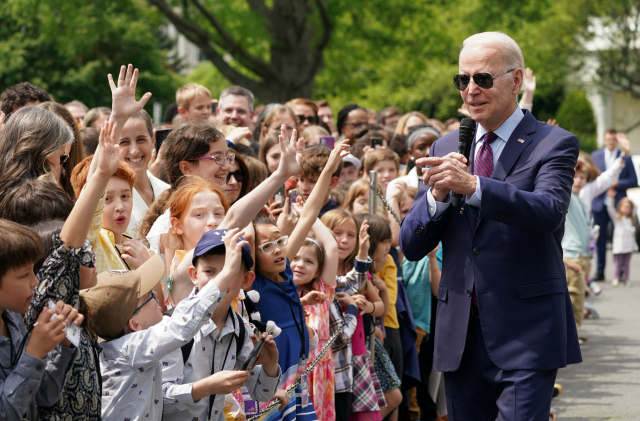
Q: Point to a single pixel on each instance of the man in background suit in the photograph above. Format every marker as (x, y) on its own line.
(504, 322)
(604, 158)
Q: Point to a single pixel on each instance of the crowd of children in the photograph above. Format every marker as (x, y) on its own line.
(142, 266)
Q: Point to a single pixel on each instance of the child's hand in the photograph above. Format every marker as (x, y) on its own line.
(363, 252)
(283, 397)
(396, 190)
(123, 96)
(269, 353)
(335, 158)
(233, 247)
(47, 332)
(378, 283)
(226, 381)
(313, 298)
(290, 152)
(288, 219)
(134, 253)
(105, 160)
(345, 299)
(612, 193)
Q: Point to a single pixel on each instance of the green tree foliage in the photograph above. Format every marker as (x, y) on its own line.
(576, 115)
(68, 47)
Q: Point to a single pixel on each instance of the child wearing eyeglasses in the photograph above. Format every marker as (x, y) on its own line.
(125, 312)
(279, 294)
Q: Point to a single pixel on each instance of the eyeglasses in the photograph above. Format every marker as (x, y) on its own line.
(357, 125)
(152, 296)
(270, 246)
(63, 158)
(311, 119)
(483, 80)
(219, 159)
(237, 174)
(242, 112)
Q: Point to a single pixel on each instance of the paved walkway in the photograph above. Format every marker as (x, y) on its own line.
(606, 386)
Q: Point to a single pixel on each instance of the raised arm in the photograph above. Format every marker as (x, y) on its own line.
(245, 209)
(314, 202)
(76, 228)
(328, 241)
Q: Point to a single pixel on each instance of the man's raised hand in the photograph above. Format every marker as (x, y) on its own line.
(446, 174)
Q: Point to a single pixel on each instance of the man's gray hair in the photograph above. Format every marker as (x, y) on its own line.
(512, 53)
(237, 90)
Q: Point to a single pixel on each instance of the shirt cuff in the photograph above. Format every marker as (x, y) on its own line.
(477, 196)
(362, 265)
(436, 209)
(182, 394)
(230, 144)
(351, 309)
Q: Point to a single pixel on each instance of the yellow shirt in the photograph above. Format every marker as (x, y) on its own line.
(389, 274)
(103, 243)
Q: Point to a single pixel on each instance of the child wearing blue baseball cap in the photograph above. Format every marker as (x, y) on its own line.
(197, 378)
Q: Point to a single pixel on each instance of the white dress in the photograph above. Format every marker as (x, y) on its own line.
(624, 232)
(140, 207)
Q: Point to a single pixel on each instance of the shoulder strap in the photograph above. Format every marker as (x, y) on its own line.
(186, 348)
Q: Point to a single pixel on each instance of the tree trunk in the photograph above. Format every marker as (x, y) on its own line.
(296, 48)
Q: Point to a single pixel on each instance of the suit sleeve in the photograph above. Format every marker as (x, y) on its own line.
(544, 208)
(419, 233)
(628, 178)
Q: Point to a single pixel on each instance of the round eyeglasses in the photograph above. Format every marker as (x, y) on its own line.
(270, 246)
(219, 159)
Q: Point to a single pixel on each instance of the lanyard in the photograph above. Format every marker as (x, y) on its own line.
(116, 247)
(299, 328)
(213, 361)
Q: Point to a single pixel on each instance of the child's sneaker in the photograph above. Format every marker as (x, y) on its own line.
(615, 282)
(595, 288)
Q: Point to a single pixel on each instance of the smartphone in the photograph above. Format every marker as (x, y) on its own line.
(293, 195)
(328, 141)
(161, 135)
(376, 143)
(278, 198)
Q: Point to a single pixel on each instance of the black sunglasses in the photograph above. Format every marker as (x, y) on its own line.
(63, 158)
(152, 296)
(311, 119)
(237, 174)
(483, 80)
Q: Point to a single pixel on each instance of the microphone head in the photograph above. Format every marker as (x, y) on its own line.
(468, 122)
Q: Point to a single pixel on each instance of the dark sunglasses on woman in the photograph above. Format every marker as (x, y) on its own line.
(237, 174)
(311, 119)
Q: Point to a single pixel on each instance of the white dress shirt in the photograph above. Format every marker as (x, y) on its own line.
(130, 365)
(178, 378)
(610, 157)
(139, 205)
(503, 132)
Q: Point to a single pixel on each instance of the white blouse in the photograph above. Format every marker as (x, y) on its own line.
(140, 207)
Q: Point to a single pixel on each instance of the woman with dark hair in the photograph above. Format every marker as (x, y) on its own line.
(75, 151)
(351, 118)
(193, 149)
(238, 180)
(35, 200)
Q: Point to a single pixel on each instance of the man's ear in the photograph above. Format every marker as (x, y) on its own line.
(177, 226)
(182, 111)
(334, 182)
(518, 78)
(185, 167)
(193, 273)
(249, 277)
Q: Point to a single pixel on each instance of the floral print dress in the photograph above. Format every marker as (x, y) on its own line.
(60, 280)
(321, 379)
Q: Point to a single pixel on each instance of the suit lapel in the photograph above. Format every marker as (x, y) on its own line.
(517, 143)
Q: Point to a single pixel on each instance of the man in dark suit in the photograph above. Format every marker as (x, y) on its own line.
(604, 158)
(504, 322)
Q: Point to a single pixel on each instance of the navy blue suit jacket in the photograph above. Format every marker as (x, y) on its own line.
(627, 180)
(512, 255)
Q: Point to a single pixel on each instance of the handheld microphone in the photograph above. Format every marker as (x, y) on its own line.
(466, 135)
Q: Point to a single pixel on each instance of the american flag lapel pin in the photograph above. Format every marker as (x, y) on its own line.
(521, 140)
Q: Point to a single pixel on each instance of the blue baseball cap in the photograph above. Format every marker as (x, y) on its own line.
(215, 238)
